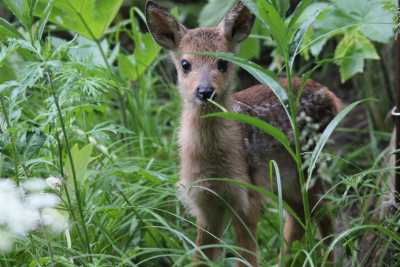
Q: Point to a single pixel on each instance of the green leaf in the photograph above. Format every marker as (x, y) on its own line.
(146, 51)
(90, 18)
(299, 35)
(87, 51)
(21, 9)
(214, 12)
(44, 19)
(276, 26)
(282, 6)
(250, 48)
(351, 52)
(81, 158)
(7, 73)
(273, 167)
(300, 14)
(326, 135)
(380, 230)
(374, 20)
(260, 124)
(273, 22)
(300, 17)
(8, 31)
(32, 143)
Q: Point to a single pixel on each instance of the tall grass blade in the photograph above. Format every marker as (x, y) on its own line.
(262, 125)
(261, 75)
(326, 135)
(273, 166)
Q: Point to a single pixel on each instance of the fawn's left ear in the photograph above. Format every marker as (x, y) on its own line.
(238, 23)
(166, 30)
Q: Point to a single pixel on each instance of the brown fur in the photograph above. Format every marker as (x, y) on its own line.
(213, 148)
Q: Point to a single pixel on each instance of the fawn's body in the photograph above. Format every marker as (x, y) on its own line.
(217, 148)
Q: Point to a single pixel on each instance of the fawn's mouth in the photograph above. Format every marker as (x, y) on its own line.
(204, 99)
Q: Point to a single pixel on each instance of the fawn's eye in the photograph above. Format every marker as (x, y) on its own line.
(186, 66)
(222, 65)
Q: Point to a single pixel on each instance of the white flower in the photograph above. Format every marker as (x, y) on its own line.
(55, 220)
(54, 182)
(22, 211)
(14, 213)
(42, 200)
(6, 241)
(34, 185)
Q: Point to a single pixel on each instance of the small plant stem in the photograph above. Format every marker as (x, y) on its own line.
(69, 202)
(397, 119)
(299, 162)
(13, 139)
(68, 148)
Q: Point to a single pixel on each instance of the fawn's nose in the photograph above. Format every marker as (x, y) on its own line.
(204, 92)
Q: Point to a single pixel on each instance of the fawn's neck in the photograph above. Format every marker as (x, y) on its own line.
(203, 134)
(210, 147)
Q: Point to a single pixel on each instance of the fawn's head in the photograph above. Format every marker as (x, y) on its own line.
(200, 77)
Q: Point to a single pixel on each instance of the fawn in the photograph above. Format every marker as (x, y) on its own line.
(217, 148)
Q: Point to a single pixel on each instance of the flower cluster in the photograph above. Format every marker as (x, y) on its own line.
(26, 208)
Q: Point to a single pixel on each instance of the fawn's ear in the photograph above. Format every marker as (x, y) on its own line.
(166, 30)
(238, 23)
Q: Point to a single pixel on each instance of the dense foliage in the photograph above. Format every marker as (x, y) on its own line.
(87, 96)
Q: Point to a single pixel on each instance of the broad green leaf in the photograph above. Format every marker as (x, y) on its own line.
(351, 52)
(81, 158)
(330, 22)
(374, 20)
(214, 12)
(90, 18)
(371, 17)
(267, 128)
(8, 31)
(326, 135)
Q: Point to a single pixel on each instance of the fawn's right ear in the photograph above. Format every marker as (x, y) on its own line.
(166, 30)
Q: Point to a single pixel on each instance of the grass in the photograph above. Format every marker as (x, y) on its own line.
(113, 142)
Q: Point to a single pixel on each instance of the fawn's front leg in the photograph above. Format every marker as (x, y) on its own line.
(246, 236)
(210, 226)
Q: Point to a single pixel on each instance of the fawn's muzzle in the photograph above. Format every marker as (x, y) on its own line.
(204, 92)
